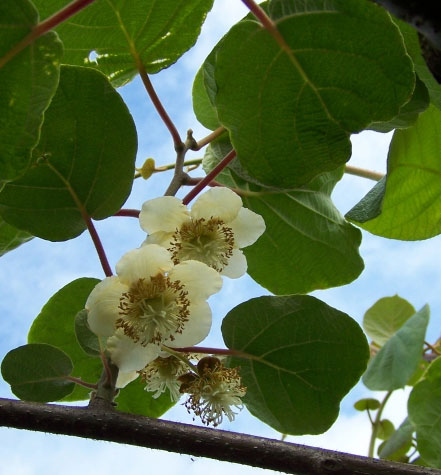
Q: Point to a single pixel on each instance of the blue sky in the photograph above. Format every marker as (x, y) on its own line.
(33, 273)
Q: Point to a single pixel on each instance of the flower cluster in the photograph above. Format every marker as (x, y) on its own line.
(158, 299)
(214, 391)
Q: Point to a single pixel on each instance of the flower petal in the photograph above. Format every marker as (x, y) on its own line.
(218, 202)
(128, 355)
(143, 262)
(161, 238)
(165, 213)
(237, 265)
(247, 227)
(199, 280)
(124, 379)
(197, 327)
(102, 305)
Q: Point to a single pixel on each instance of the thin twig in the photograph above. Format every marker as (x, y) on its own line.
(268, 24)
(209, 138)
(157, 102)
(377, 176)
(45, 26)
(81, 382)
(115, 426)
(207, 179)
(180, 176)
(376, 424)
(131, 213)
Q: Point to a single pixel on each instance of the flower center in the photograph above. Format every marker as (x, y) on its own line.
(153, 311)
(209, 241)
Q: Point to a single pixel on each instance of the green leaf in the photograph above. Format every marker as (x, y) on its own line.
(27, 83)
(55, 325)
(385, 317)
(413, 47)
(306, 238)
(135, 400)
(398, 443)
(305, 356)
(11, 238)
(83, 165)
(408, 204)
(202, 88)
(38, 373)
(385, 429)
(155, 32)
(424, 408)
(86, 338)
(367, 404)
(317, 106)
(409, 112)
(398, 359)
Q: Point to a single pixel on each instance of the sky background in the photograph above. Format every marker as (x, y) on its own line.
(30, 275)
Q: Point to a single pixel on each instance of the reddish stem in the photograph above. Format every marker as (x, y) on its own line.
(45, 26)
(98, 245)
(157, 103)
(131, 213)
(81, 382)
(214, 351)
(209, 178)
(267, 23)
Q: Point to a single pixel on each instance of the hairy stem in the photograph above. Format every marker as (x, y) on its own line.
(207, 179)
(376, 424)
(45, 26)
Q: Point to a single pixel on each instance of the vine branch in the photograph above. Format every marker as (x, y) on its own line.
(114, 426)
(157, 102)
(208, 178)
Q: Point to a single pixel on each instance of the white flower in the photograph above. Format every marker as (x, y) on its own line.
(214, 391)
(212, 232)
(162, 374)
(151, 302)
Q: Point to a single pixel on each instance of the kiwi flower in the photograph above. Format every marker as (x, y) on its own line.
(212, 232)
(151, 302)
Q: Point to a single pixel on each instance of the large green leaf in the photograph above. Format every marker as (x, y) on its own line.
(307, 244)
(304, 357)
(409, 113)
(55, 325)
(424, 408)
(398, 359)
(38, 372)
(344, 66)
(83, 165)
(135, 400)
(407, 204)
(27, 83)
(11, 237)
(386, 317)
(157, 32)
(413, 47)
